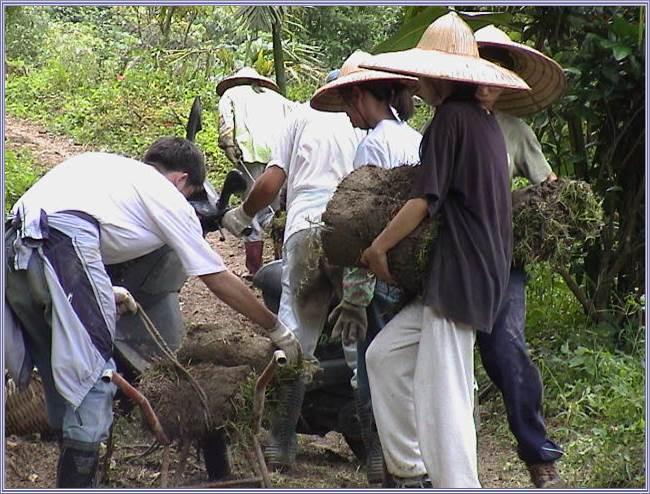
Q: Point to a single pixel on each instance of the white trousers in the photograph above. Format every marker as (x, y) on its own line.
(421, 373)
(307, 319)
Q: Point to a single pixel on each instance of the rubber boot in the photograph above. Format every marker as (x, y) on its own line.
(281, 452)
(77, 468)
(254, 251)
(216, 455)
(374, 456)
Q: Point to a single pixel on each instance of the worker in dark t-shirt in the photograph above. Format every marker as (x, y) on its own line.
(420, 366)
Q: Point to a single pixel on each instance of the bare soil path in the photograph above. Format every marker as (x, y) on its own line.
(322, 462)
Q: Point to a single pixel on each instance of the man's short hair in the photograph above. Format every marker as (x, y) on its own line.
(178, 154)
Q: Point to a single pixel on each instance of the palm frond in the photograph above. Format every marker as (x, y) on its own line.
(260, 17)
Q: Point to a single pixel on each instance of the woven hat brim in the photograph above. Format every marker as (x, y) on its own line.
(328, 97)
(543, 74)
(436, 64)
(229, 82)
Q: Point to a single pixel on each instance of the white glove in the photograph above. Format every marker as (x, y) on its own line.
(236, 221)
(124, 301)
(285, 340)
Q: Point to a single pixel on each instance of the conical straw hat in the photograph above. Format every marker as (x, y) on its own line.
(544, 75)
(245, 76)
(328, 97)
(447, 51)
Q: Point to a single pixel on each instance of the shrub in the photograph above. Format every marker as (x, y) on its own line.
(20, 174)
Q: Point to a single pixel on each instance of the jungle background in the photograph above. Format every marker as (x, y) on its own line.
(116, 78)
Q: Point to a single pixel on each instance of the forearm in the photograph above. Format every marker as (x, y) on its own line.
(358, 286)
(234, 293)
(404, 222)
(265, 190)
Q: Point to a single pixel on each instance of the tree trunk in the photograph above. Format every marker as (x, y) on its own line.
(278, 58)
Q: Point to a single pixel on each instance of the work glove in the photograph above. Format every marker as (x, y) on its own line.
(229, 146)
(233, 153)
(351, 322)
(124, 301)
(285, 340)
(236, 221)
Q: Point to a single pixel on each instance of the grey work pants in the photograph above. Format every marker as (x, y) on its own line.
(155, 281)
(306, 314)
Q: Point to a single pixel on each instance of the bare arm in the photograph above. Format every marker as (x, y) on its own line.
(265, 190)
(233, 292)
(404, 222)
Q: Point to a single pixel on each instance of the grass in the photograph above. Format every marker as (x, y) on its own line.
(594, 401)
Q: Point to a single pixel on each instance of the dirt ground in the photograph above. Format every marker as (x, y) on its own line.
(322, 462)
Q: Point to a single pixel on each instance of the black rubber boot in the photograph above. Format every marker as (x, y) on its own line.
(281, 452)
(374, 455)
(216, 455)
(77, 467)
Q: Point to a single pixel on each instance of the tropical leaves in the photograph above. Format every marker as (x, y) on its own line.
(417, 19)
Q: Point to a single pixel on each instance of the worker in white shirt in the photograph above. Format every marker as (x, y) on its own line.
(314, 153)
(251, 115)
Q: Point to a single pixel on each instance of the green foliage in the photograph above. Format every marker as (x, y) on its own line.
(597, 133)
(596, 397)
(594, 400)
(422, 116)
(20, 174)
(338, 31)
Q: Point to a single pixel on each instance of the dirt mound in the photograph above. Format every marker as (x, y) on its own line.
(222, 359)
(225, 345)
(179, 407)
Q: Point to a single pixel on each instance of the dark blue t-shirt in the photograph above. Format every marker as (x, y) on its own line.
(464, 176)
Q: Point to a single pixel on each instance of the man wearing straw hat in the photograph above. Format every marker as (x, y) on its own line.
(420, 366)
(313, 154)
(503, 351)
(381, 103)
(251, 114)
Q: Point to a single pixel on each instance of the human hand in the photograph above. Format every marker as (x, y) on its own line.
(376, 260)
(351, 322)
(552, 177)
(285, 340)
(236, 221)
(124, 301)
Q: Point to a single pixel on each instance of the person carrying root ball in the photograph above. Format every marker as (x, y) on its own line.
(420, 366)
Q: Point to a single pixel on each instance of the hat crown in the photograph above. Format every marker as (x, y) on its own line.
(451, 34)
(249, 72)
(351, 64)
(492, 34)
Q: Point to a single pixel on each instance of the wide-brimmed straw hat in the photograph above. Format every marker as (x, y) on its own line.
(447, 51)
(245, 76)
(328, 97)
(544, 75)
